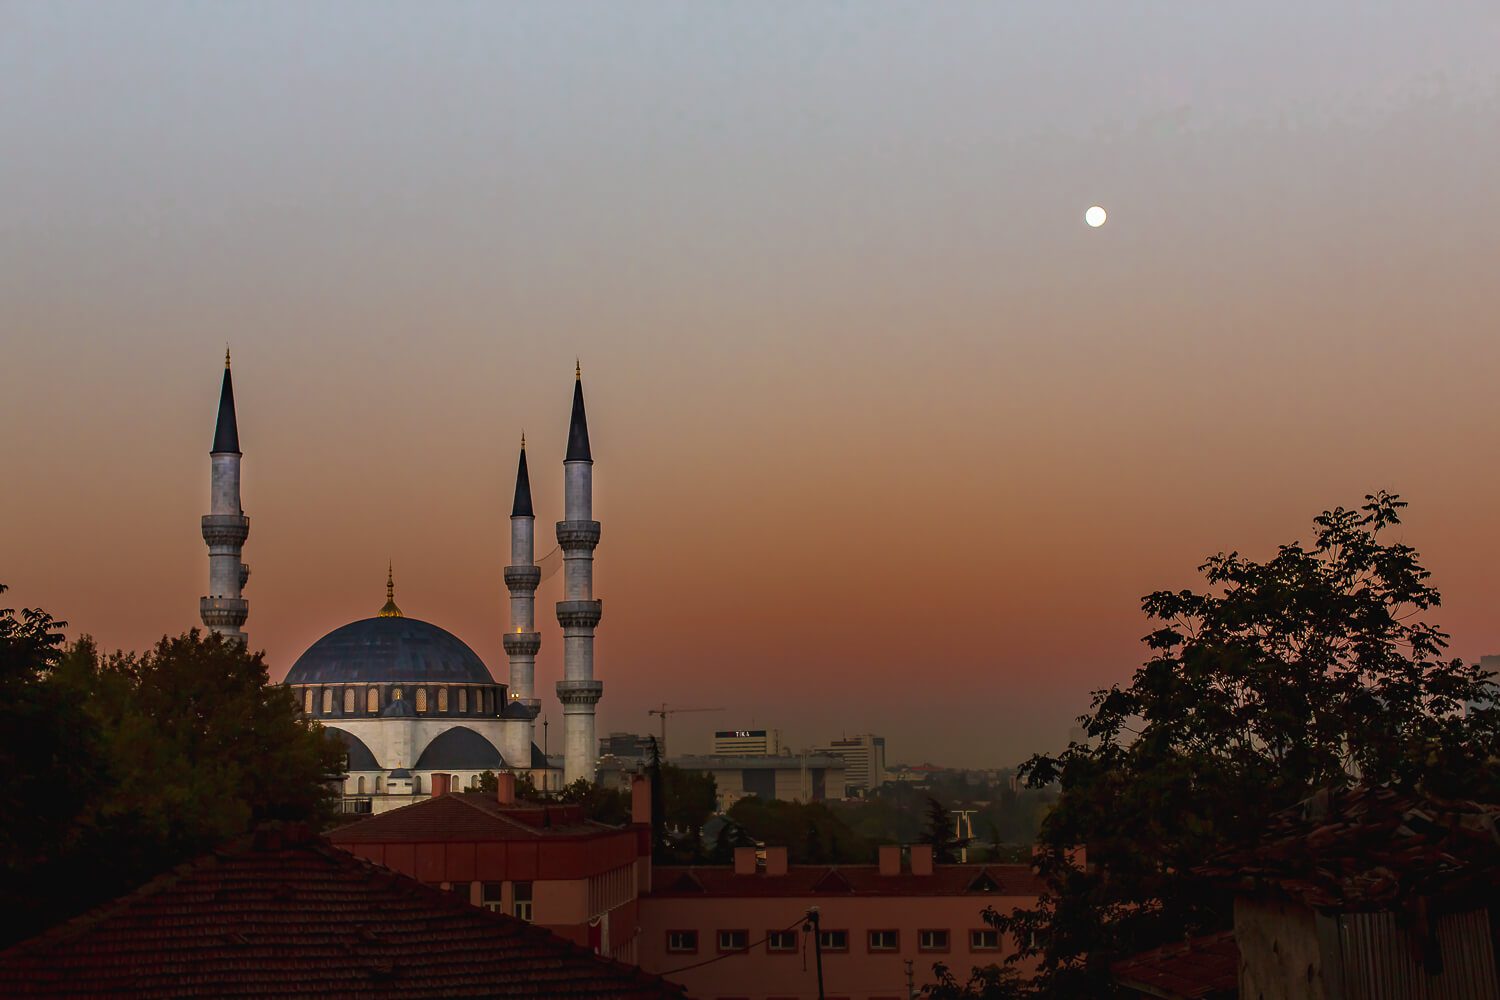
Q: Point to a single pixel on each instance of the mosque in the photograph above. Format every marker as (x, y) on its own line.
(413, 703)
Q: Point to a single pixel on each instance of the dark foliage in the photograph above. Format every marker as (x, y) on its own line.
(1308, 670)
(129, 764)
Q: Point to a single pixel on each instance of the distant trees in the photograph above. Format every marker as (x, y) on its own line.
(810, 831)
(1312, 668)
(118, 767)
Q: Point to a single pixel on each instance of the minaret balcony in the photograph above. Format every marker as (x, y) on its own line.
(522, 643)
(574, 535)
(226, 530)
(522, 577)
(223, 612)
(580, 692)
(579, 614)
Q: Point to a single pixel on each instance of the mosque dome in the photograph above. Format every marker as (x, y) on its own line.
(459, 749)
(389, 649)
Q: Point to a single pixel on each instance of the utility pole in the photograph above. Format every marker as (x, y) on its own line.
(911, 984)
(812, 925)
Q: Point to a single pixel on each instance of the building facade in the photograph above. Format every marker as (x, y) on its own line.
(864, 761)
(799, 778)
(747, 742)
(872, 920)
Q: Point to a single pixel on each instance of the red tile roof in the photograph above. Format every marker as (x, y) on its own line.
(1362, 847)
(1201, 968)
(285, 914)
(470, 816)
(848, 880)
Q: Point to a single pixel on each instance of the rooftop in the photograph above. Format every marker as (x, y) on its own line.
(284, 913)
(711, 761)
(1361, 848)
(1202, 968)
(847, 880)
(471, 816)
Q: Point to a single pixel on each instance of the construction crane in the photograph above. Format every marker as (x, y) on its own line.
(664, 711)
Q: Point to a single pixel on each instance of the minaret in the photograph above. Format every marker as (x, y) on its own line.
(226, 527)
(578, 612)
(522, 640)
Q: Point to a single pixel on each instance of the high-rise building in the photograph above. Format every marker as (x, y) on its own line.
(864, 761)
(747, 742)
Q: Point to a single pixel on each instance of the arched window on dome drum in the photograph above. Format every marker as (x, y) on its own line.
(396, 695)
(328, 701)
(442, 699)
(378, 782)
(307, 701)
(348, 701)
(463, 699)
(421, 699)
(416, 784)
(372, 700)
(361, 785)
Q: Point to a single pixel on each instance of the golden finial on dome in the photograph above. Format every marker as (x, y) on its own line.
(226, 355)
(578, 369)
(390, 610)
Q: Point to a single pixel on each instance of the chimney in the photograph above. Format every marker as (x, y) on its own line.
(640, 799)
(775, 860)
(890, 859)
(744, 861)
(505, 788)
(921, 859)
(439, 785)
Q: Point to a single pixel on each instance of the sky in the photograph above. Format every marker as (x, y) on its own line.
(886, 439)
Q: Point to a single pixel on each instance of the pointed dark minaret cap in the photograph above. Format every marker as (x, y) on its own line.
(578, 428)
(227, 433)
(522, 506)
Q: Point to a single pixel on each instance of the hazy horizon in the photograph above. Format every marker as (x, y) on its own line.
(878, 422)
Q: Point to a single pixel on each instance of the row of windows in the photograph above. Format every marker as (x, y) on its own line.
(484, 700)
(787, 942)
(455, 784)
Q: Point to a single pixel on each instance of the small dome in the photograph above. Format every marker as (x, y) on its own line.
(387, 651)
(459, 749)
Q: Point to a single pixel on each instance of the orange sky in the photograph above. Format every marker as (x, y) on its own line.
(886, 439)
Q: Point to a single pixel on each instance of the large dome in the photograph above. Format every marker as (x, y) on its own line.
(389, 649)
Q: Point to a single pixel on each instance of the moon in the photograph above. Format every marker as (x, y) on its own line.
(1095, 216)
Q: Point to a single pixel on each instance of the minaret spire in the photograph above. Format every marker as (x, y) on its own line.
(522, 640)
(226, 527)
(578, 612)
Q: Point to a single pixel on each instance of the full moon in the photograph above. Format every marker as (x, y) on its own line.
(1095, 216)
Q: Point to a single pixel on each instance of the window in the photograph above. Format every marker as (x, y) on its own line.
(460, 889)
(491, 896)
(378, 782)
(932, 940)
(485, 697)
(463, 699)
(442, 699)
(682, 942)
(421, 699)
(985, 940)
(416, 784)
(396, 695)
(360, 785)
(328, 701)
(781, 942)
(372, 700)
(834, 940)
(522, 899)
(734, 940)
(884, 941)
(348, 701)
(307, 701)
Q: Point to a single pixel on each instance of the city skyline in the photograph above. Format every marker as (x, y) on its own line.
(876, 417)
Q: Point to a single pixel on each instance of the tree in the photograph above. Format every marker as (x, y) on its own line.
(1279, 677)
(986, 982)
(603, 805)
(940, 833)
(156, 758)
